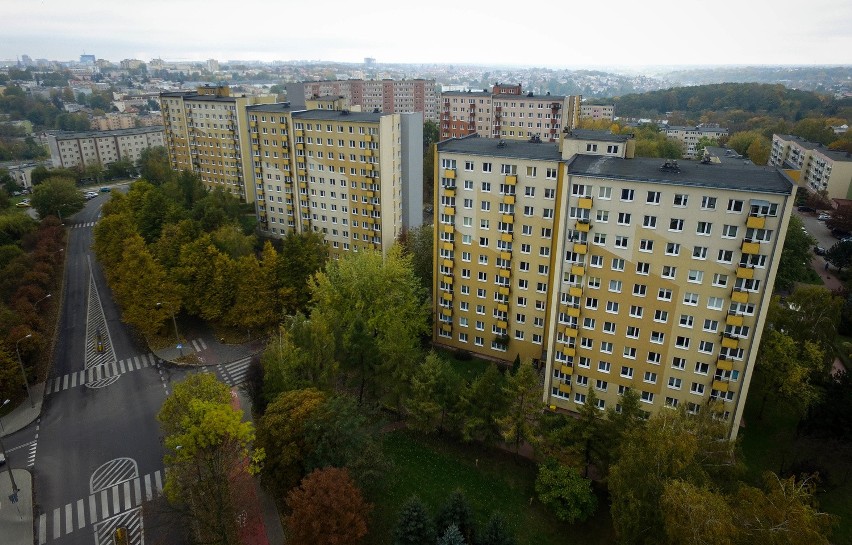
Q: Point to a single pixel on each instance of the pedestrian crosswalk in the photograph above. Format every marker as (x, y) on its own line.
(103, 509)
(81, 225)
(97, 375)
(232, 374)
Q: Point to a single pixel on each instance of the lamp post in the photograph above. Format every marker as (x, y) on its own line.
(15, 488)
(23, 371)
(177, 336)
(2, 431)
(48, 296)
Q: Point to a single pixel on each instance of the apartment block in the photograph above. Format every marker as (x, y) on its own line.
(355, 177)
(506, 112)
(113, 121)
(813, 166)
(386, 96)
(610, 272)
(690, 136)
(206, 133)
(597, 111)
(70, 149)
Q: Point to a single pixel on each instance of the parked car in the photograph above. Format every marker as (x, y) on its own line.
(819, 250)
(823, 216)
(23, 204)
(105, 190)
(804, 208)
(839, 233)
(2, 459)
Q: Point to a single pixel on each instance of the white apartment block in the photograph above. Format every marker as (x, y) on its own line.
(597, 111)
(689, 137)
(70, 149)
(813, 166)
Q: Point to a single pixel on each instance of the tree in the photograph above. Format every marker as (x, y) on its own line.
(414, 525)
(794, 265)
(740, 141)
(814, 130)
(811, 314)
(565, 492)
(419, 244)
(154, 165)
(759, 149)
(452, 536)
(435, 390)
(281, 434)
(206, 276)
(306, 254)
(787, 369)
(486, 402)
(696, 515)
(327, 507)
(57, 196)
(431, 134)
(372, 305)
(457, 513)
(841, 219)
(199, 386)
(839, 255)
(497, 531)
(254, 296)
(524, 395)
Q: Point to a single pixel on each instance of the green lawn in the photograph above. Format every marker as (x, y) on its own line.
(467, 369)
(491, 480)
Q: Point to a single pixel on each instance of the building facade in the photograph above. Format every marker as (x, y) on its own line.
(206, 133)
(610, 272)
(689, 137)
(355, 177)
(813, 166)
(386, 96)
(70, 149)
(597, 111)
(506, 112)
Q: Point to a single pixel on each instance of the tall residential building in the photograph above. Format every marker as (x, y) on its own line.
(610, 272)
(356, 177)
(386, 96)
(206, 133)
(689, 137)
(69, 149)
(506, 112)
(813, 166)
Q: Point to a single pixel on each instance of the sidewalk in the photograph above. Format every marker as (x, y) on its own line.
(828, 275)
(16, 520)
(209, 350)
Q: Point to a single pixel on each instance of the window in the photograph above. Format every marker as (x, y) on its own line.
(526, 229)
(669, 271)
(678, 363)
(627, 195)
(720, 280)
(725, 256)
(624, 218)
(702, 368)
(653, 197)
(617, 264)
(615, 286)
(643, 268)
(636, 312)
(604, 366)
(609, 327)
(529, 210)
(680, 199)
(686, 320)
(699, 252)
(626, 371)
(594, 282)
(486, 167)
(605, 193)
(690, 298)
(658, 337)
(629, 352)
(589, 323)
(661, 316)
(675, 383)
(695, 277)
(682, 342)
(672, 248)
(602, 216)
(664, 294)
(600, 385)
(612, 307)
(729, 231)
(696, 388)
(650, 377)
(546, 232)
(529, 191)
(646, 245)
(704, 228)
(708, 203)
(639, 290)
(735, 205)
(649, 222)
(485, 206)
(579, 398)
(600, 239)
(675, 224)
(715, 303)
(606, 347)
(620, 241)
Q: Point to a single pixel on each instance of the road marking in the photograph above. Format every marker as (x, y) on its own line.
(69, 519)
(116, 504)
(57, 530)
(148, 494)
(104, 505)
(81, 514)
(121, 367)
(126, 486)
(93, 510)
(158, 483)
(196, 346)
(137, 486)
(65, 382)
(203, 345)
(42, 529)
(73, 380)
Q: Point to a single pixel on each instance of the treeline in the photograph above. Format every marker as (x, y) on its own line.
(49, 113)
(174, 243)
(31, 264)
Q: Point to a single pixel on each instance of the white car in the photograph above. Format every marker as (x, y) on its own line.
(824, 217)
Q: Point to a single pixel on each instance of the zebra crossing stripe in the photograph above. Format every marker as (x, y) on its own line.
(69, 520)
(81, 517)
(42, 529)
(100, 372)
(93, 510)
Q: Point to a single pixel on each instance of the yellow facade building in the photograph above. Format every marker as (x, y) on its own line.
(609, 272)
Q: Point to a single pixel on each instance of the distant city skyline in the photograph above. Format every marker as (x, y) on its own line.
(544, 34)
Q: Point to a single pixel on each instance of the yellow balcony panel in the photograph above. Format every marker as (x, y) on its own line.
(502, 323)
(581, 249)
(446, 296)
(450, 192)
(299, 132)
(584, 202)
(446, 312)
(578, 270)
(369, 194)
(450, 173)
(739, 297)
(368, 138)
(583, 227)
(503, 290)
(756, 222)
(511, 179)
(508, 199)
(504, 273)
(506, 237)
(751, 248)
(505, 255)
(369, 207)
(507, 218)
(745, 272)
(447, 246)
(302, 172)
(575, 291)
(569, 351)
(449, 229)
(503, 307)
(571, 332)
(720, 385)
(564, 388)
(368, 152)
(299, 145)
(450, 210)
(448, 263)
(575, 312)
(729, 343)
(734, 320)
(724, 365)
(446, 327)
(447, 279)
(370, 166)
(303, 185)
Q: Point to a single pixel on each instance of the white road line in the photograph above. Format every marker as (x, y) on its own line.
(81, 514)
(195, 346)
(65, 382)
(126, 486)
(116, 504)
(42, 529)
(57, 530)
(104, 505)
(148, 495)
(93, 510)
(73, 380)
(202, 343)
(69, 519)
(137, 486)
(114, 369)
(121, 367)
(158, 482)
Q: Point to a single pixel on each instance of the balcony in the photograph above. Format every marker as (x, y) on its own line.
(447, 296)
(739, 296)
(504, 273)
(450, 210)
(511, 179)
(584, 203)
(368, 138)
(578, 270)
(564, 388)
(502, 324)
(575, 291)
(750, 248)
(724, 364)
(503, 290)
(506, 218)
(449, 229)
(502, 307)
(447, 246)
(734, 320)
(508, 199)
(450, 173)
(571, 332)
(506, 237)
(745, 272)
(446, 328)
(447, 279)
(506, 255)
(581, 249)
(571, 352)
(720, 385)
(448, 263)
(450, 192)
(756, 222)
(730, 342)
(573, 312)
(583, 226)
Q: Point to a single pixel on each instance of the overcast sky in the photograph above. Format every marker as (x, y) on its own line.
(546, 33)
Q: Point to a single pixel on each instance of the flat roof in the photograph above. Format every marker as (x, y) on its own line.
(61, 135)
(836, 155)
(530, 97)
(493, 147)
(468, 93)
(276, 107)
(339, 115)
(589, 134)
(743, 177)
(194, 95)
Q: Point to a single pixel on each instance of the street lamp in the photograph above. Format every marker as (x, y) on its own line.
(1, 421)
(15, 488)
(26, 382)
(48, 296)
(177, 336)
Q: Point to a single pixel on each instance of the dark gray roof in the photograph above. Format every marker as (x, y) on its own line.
(61, 135)
(831, 154)
(277, 107)
(554, 98)
(339, 115)
(798, 140)
(467, 93)
(744, 177)
(492, 147)
(193, 95)
(588, 134)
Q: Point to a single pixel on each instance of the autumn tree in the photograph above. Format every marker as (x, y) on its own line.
(57, 197)
(154, 165)
(414, 526)
(254, 306)
(303, 255)
(810, 313)
(840, 254)
(419, 243)
(696, 515)
(327, 507)
(787, 369)
(206, 277)
(759, 149)
(523, 393)
(565, 492)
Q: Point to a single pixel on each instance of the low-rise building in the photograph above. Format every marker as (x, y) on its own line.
(597, 111)
(813, 166)
(689, 137)
(70, 149)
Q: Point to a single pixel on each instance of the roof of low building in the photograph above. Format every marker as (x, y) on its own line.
(492, 147)
(275, 107)
(61, 135)
(340, 115)
(589, 134)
